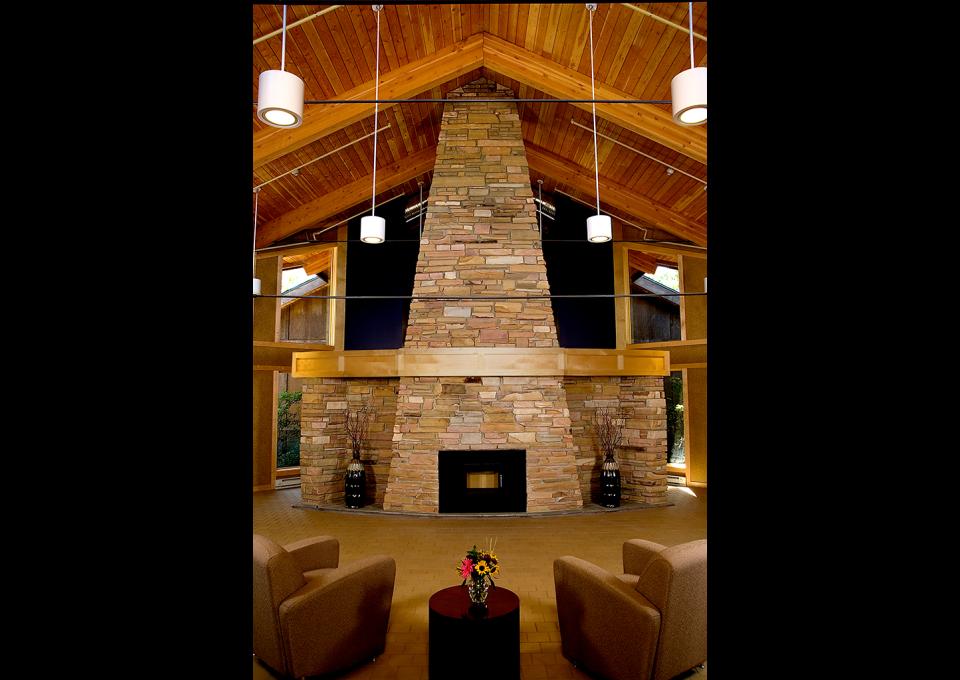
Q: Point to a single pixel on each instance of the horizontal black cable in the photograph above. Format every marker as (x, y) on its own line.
(469, 100)
(447, 298)
(473, 243)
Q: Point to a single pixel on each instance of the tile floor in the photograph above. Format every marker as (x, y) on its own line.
(427, 550)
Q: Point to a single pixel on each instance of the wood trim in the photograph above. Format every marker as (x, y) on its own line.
(302, 346)
(479, 361)
(683, 353)
(545, 75)
(678, 469)
(283, 473)
(320, 120)
(667, 344)
(346, 197)
(616, 195)
(336, 322)
(313, 246)
(661, 248)
(274, 430)
(621, 286)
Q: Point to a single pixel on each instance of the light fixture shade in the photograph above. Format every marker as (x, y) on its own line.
(688, 90)
(256, 286)
(372, 229)
(598, 228)
(281, 99)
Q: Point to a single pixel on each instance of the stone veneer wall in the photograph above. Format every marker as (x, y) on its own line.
(643, 452)
(480, 238)
(324, 445)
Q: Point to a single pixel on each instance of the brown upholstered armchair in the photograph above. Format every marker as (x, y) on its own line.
(649, 623)
(311, 616)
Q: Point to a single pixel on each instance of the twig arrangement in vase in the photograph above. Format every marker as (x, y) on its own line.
(608, 424)
(358, 427)
(478, 569)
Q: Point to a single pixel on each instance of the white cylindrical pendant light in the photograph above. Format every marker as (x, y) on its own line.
(598, 228)
(688, 90)
(372, 229)
(281, 99)
(256, 286)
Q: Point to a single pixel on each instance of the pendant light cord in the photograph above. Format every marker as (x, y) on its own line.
(691, 34)
(376, 111)
(256, 203)
(283, 46)
(593, 96)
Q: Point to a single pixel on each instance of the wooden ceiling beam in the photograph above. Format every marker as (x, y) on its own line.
(616, 195)
(558, 81)
(641, 261)
(317, 263)
(320, 120)
(345, 197)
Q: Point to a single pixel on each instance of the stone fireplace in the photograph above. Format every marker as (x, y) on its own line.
(480, 238)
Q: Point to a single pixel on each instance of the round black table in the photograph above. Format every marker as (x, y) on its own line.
(466, 643)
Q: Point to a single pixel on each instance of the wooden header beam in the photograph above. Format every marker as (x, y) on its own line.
(479, 361)
(683, 353)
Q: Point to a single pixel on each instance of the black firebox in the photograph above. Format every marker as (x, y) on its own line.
(483, 481)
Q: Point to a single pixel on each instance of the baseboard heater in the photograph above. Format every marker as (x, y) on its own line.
(288, 482)
(676, 480)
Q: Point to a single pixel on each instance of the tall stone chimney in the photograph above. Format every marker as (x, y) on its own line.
(480, 238)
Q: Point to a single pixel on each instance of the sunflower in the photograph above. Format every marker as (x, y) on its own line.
(482, 568)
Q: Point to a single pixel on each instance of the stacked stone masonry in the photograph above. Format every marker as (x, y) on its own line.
(480, 234)
(643, 451)
(324, 445)
(480, 238)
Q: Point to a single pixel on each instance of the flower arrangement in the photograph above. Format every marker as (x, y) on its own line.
(478, 569)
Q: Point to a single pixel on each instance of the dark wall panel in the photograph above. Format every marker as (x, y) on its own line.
(579, 267)
(385, 268)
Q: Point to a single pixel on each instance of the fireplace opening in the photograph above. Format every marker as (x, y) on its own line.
(483, 481)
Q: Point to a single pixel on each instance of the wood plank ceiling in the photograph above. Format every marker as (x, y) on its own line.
(634, 54)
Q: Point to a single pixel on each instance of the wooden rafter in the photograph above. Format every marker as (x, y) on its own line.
(320, 120)
(645, 263)
(317, 263)
(345, 197)
(616, 195)
(558, 81)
